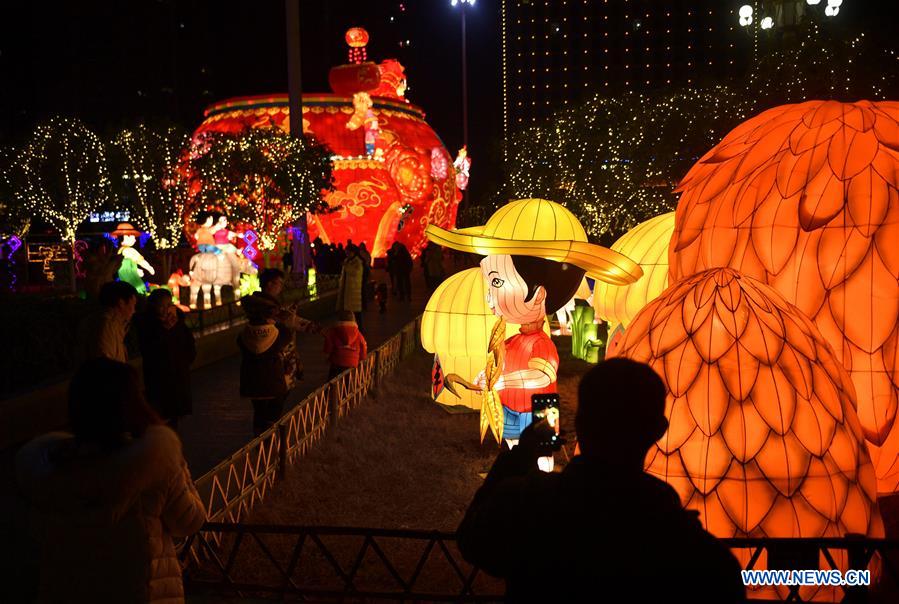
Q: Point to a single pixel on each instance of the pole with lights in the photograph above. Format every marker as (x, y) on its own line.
(461, 4)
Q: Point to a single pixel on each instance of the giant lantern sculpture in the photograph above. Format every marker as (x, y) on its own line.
(647, 245)
(536, 255)
(389, 166)
(456, 326)
(804, 197)
(763, 437)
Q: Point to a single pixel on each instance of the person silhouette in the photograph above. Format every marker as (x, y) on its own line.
(602, 522)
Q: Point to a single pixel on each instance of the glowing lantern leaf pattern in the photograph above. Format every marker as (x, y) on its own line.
(804, 197)
(647, 245)
(762, 441)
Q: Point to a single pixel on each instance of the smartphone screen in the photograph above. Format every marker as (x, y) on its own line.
(546, 406)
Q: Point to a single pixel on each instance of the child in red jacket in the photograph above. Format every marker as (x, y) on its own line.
(344, 344)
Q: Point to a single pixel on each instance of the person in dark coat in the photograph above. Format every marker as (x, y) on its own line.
(168, 349)
(404, 265)
(268, 365)
(391, 269)
(602, 522)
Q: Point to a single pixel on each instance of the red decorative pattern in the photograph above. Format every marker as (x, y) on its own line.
(370, 192)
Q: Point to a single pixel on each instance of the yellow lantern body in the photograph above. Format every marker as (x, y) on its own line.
(763, 437)
(456, 327)
(647, 245)
(805, 198)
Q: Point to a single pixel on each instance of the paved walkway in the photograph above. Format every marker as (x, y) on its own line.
(222, 422)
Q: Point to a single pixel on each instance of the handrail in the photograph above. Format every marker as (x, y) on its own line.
(235, 485)
(305, 560)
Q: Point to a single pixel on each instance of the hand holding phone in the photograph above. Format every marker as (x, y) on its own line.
(545, 407)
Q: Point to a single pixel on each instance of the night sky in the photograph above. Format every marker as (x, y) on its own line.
(114, 64)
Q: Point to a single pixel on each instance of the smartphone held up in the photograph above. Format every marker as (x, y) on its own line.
(546, 406)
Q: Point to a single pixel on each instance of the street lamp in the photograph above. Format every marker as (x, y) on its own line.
(461, 4)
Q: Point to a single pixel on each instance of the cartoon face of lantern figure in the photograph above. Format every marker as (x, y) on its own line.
(805, 198)
(536, 254)
(763, 436)
(512, 297)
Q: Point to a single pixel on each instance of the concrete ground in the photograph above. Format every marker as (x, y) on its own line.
(222, 422)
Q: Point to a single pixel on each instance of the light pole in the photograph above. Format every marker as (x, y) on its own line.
(461, 4)
(294, 81)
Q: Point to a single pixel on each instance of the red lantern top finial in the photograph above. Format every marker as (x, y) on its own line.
(356, 38)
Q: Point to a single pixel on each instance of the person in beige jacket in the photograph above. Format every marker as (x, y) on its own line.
(107, 498)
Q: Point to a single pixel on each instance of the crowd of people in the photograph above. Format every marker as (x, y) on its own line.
(111, 494)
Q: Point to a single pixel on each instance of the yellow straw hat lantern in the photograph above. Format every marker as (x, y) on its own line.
(542, 229)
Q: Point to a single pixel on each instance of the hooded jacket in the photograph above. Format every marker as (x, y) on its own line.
(345, 345)
(106, 519)
(268, 361)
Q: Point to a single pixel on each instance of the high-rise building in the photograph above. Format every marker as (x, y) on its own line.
(557, 51)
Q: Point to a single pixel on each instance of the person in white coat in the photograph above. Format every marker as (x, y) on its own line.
(107, 498)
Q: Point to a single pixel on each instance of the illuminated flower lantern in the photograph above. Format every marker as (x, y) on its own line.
(804, 197)
(763, 436)
(536, 255)
(386, 185)
(456, 327)
(647, 245)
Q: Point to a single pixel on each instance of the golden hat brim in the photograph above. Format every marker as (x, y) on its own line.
(599, 262)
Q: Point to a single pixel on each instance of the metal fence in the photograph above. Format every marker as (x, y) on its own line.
(360, 564)
(325, 564)
(234, 486)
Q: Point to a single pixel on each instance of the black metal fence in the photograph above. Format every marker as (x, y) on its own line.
(336, 564)
(359, 564)
(234, 486)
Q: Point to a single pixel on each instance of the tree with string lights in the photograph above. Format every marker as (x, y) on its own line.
(64, 175)
(15, 219)
(802, 50)
(261, 177)
(145, 169)
(614, 162)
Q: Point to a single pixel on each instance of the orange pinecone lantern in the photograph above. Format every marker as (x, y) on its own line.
(763, 437)
(804, 197)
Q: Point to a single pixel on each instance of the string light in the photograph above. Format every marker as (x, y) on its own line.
(614, 161)
(657, 42)
(14, 220)
(150, 172)
(65, 175)
(261, 177)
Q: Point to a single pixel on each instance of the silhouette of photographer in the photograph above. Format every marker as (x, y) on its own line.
(602, 524)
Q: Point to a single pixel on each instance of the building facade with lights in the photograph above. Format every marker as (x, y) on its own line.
(557, 52)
